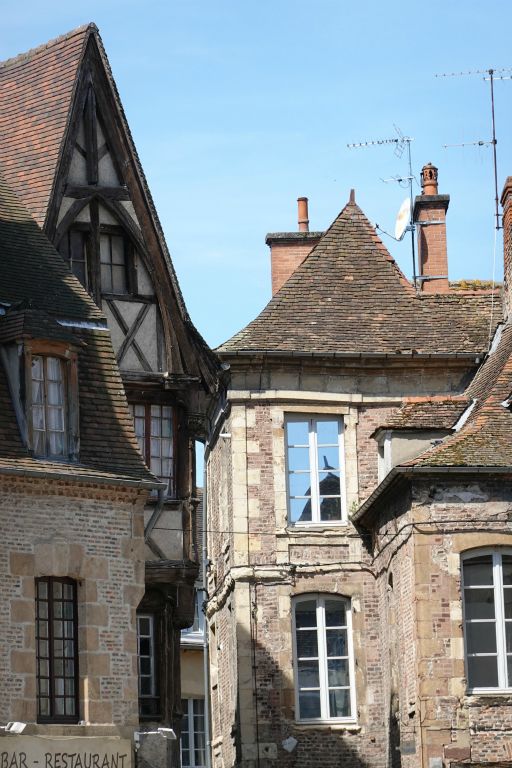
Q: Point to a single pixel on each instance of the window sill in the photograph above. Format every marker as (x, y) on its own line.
(502, 695)
(316, 529)
(333, 725)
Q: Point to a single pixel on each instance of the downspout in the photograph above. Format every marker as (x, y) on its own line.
(206, 665)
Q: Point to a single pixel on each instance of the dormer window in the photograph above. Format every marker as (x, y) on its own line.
(49, 427)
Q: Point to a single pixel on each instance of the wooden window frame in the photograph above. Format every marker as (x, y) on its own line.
(51, 600)
(314, 470)
(69, 358)
(500, 619)
(146, 454)
(322, 658)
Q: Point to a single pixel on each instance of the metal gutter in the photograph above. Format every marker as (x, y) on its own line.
(353, 355)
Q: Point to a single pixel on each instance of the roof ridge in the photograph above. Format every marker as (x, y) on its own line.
(22, 58)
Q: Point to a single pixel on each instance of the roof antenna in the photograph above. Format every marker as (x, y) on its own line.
(401, 142)
(490, 76)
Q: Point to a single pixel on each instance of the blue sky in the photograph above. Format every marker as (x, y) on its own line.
(238, 108)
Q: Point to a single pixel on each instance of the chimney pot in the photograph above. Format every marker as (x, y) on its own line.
(352, 197)
(429, 180)
(303, 214)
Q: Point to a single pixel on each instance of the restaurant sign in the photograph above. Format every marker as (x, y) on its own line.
(65, 752)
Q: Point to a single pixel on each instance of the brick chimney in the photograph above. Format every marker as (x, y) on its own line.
(506, 202)
(430, 218)
(289, 249)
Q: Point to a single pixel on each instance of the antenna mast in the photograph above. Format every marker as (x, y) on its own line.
(400, 142)
(489, 75)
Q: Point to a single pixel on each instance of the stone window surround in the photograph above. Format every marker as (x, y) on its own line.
(278, 415)
(350, 721)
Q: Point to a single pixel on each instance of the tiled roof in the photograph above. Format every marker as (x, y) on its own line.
(36, 94)
(427, 413)
(485, 440)
(349, 296)
(40, 290)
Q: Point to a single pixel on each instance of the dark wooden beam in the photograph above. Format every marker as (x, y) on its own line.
(88, 190)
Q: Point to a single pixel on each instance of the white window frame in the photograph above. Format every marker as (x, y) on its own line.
(315, 470)
(195, 633)
(322, 656)
(150, 617)
(499, 620)
(192, 735)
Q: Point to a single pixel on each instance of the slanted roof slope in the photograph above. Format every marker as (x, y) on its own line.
(349, 296)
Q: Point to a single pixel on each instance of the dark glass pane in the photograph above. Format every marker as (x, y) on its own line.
(327, 432)
(42, 610)
(298, 458)
(335, 613)
(106, 278)
(58, 629)
(305, 613)
(144, 646)
(308, 674)
(329, 483)
(482, 671)
(57, 610)
(339, 703)
(309, 705)
(42, 589)
(59, 707)
(478, 571)
(507, 600)
(336, 641)
(70, 706)
(481, 637)
(479, 603)
(330, 509)
(58, 668)
(68, 591)
(337, 670)
(145, 666)
(307, 645)
(509, 671)
(506, 562)
(57, 590)
(44, 707)
(508, 636)
(297, 432)
(144, 625)
(145, 686)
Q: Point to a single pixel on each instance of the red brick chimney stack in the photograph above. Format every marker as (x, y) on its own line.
(506, 202)
(430, 217)
(289, 249)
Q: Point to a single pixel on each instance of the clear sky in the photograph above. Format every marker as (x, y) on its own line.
(237, 108)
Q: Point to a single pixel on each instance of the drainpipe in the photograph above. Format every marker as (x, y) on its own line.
(206, 666)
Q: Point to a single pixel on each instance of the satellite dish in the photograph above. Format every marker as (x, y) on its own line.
(402, 219)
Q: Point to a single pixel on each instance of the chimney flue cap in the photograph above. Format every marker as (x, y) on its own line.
(303, 216)
(429, 180)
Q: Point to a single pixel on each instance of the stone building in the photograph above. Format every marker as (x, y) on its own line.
(335, 622)
(67, 152)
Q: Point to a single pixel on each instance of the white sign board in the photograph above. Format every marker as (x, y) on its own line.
(49, 752)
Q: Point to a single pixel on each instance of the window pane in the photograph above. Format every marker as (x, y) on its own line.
(309, 704)
(298, 458)
(482, 671)
(336, 642)
(300, 511)
(507, 601)
(300, 484)
(328, 458)
(327, 432)
(307, 645)
(308, 674)
(479, 603)
(297, 432)
(330, 509)
(481, 637)
(508, 636)
(329, 484)
(305, 614)
(478, 571)
(339, 703)
(335, 613)
(337, 672)
(507, 569)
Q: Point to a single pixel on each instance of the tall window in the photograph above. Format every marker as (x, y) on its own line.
(314, 452)
(49, 406)
(149, 699)
(154, 429)
(487, 599)
(73, 247)
(323, 658)
(57, 651)
(193, 734)
(113, 263)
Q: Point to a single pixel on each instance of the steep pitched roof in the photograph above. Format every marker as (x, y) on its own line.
(38, 292)
(349, 296)
(485, 440)
(36, 95)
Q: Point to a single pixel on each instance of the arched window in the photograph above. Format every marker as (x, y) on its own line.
(487, 601)
(323, 658)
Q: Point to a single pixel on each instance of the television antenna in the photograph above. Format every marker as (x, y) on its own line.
(490, 75)
(402, 143)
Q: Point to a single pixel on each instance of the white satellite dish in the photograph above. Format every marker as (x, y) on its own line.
(402, 219)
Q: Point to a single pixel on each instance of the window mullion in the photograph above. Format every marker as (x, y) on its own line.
(322, 659)
(500, 620)
(314, 478)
